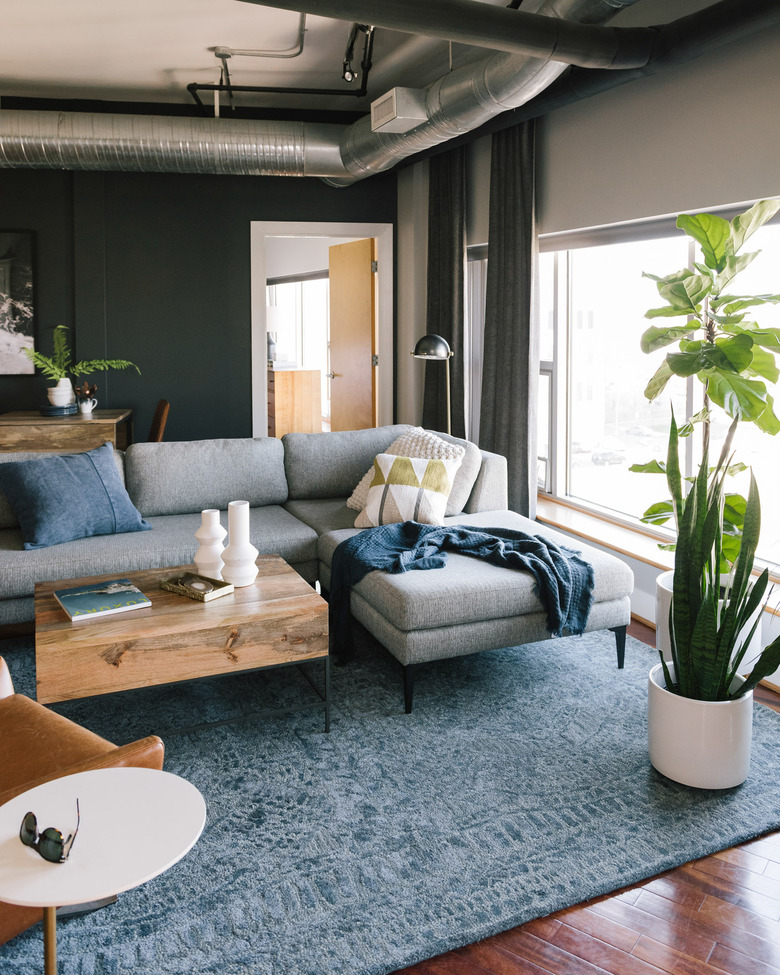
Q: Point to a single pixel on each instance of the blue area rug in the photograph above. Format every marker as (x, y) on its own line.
(519, 785)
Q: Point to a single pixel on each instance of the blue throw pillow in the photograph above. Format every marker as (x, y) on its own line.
(67, 496)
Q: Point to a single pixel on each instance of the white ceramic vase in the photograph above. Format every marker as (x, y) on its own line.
(240, 555)
(210, 536)
(705, 744)
(62, 394)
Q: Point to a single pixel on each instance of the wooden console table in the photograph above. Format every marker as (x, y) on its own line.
(66, 434)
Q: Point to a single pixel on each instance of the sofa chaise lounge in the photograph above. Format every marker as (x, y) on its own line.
(298, 489)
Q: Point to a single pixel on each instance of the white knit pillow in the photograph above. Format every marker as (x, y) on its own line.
(414, 443)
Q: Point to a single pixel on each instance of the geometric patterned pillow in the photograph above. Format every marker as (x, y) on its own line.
(414, 443)
(408, 489)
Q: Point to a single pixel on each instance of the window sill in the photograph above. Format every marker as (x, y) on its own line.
(618, 538)
(600, 530)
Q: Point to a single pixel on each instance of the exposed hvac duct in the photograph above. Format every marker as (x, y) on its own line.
(459, 102)
(456, 104)
(724, 23)
(156, 144)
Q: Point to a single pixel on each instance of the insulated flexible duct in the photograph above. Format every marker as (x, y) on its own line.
(456, 104)
(133, 143)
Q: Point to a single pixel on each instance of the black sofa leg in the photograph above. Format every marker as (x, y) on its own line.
(620, 642)
(410, 670)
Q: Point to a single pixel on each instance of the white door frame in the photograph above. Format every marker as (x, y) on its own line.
(260, 231)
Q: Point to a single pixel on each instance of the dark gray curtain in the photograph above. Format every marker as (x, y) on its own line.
(446, 277)
(510, 377)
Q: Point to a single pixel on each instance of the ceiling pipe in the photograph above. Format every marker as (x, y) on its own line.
(497, 28)
(724, 23)
(156, 144)
(466, 100)
(457, 103)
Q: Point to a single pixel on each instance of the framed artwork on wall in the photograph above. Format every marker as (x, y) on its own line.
(17, 315)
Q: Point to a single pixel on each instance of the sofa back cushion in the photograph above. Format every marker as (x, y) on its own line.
(7, 517)
(329, 465)
(172, 478)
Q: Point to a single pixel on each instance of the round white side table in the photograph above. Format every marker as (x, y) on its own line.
(135, 824)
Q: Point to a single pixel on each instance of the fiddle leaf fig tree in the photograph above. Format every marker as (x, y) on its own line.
(718, 341)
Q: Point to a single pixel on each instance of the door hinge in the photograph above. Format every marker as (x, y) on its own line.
(374, 267)
(374, 360)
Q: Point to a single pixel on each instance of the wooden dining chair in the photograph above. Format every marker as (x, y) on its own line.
(158, 423)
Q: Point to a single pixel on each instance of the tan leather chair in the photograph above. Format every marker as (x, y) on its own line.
(36, 745)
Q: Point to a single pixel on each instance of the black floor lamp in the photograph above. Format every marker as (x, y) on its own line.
(435, 347)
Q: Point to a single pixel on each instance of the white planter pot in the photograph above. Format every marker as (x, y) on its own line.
(663, 602)
(705, 744)
(62, 394)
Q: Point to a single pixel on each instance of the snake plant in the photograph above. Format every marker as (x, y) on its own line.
(711, 625)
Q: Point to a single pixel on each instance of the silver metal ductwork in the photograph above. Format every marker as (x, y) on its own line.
(457, 103)
(558, 33)
(157, 144)
(466, 98)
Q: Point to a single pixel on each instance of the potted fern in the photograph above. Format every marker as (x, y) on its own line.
(700, 710)
(59, 366)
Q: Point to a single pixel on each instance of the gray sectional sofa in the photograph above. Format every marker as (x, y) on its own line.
(297, 488)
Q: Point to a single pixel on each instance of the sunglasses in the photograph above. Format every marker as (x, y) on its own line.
(49, 844)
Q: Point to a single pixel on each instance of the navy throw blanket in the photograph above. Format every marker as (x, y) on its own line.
(564, 580)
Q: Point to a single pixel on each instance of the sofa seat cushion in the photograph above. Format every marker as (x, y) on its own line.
(322, 514)
(170, 542)
(468, 590)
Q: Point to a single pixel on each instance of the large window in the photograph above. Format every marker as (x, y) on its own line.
(596, 420)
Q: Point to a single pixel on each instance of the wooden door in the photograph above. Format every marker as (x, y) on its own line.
(353, 393)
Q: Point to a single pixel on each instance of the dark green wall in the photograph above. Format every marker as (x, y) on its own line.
(156, 269)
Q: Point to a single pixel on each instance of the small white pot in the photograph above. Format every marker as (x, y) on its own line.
(62, 394)
(705, 744)
(86, 406)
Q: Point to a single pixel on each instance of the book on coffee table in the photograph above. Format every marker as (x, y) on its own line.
(101, 599)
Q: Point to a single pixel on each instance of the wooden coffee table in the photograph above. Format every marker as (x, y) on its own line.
(278, 620)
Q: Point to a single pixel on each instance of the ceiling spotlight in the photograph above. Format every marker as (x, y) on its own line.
(347, 71)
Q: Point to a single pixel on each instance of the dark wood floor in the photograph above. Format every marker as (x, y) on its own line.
(719, 914)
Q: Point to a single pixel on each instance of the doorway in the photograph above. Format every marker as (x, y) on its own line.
(270, 241)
